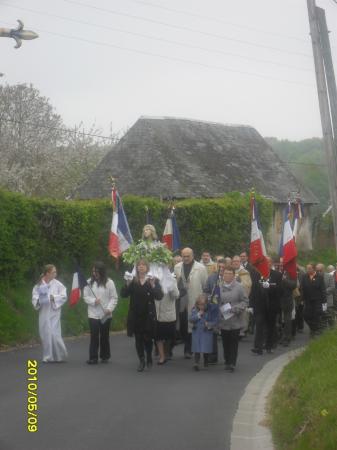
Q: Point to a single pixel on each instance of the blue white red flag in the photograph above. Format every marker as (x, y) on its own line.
(171, 236)
(289, 250)
(79, 282)
(298, 215)
(120, 237)
(257, 252)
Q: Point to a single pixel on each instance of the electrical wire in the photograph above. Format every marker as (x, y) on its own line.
(156, 38)
(66, 130)
(172, 58)
(218, 20)
(179, 27)
(41, 126)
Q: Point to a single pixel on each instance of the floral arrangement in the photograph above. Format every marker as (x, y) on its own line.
(153, 252)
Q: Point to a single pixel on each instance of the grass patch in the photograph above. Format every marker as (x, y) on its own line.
(303, 405)
(19, 320)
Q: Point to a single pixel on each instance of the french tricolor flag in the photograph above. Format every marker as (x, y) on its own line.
(120, 237)
(79, 282)
(298, 215)
(171, 235)
(257, 251)
(289, 250)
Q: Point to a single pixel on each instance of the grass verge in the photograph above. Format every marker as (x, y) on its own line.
(19, 321)
(303, 405)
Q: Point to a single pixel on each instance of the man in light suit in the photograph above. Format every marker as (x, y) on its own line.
(191, 279)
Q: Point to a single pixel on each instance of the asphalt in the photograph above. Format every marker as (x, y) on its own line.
(113, 406)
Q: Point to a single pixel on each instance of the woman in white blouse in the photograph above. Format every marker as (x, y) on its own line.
(48, 297)
(101, 296)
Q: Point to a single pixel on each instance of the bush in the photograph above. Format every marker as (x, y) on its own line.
(34, 232)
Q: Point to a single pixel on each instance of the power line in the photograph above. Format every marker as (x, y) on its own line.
(172, 58)
(66, 130)
(179, 27)
(219, 20)
(156, 38)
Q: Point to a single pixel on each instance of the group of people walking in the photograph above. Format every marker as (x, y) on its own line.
(204, 300)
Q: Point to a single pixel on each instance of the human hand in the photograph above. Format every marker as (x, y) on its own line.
(324, 307)
(265, 285)
(97, 301)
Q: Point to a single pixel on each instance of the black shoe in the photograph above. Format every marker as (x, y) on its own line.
(141, 366)
(92, 361)
(257, 351)
(104, 361)
(160, 363)
(231, 368)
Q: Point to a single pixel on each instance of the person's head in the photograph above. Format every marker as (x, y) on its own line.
(187, 255)
(99, 273)
(177, 259)
(49, 272)
(142, 268)
(206, 257)
(228, 261)
(236, 262)
(330, 268)
(310, 268)
(320, 268)
(201, 302)
(219, 257)
(243, 257)
(221, 264)
(149, 232)
(228, 275)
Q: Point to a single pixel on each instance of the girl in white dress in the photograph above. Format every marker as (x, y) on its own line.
(48, 297)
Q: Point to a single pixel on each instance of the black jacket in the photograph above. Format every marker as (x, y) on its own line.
(142, 310)
(268, 299)
(313, 290)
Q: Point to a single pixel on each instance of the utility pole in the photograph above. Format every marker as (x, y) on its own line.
(324, 107)
(329, 71)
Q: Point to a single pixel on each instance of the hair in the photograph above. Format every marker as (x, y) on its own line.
(201, 297)
(46, 269)
(99, 266)
(141, 261)
(221, 261)
(153, 231)
(230, 269)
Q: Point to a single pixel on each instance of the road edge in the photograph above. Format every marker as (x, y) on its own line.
(249, 429)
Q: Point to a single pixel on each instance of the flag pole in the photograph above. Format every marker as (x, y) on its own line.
(113, 189)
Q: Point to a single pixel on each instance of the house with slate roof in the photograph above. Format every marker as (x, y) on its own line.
(169, 157)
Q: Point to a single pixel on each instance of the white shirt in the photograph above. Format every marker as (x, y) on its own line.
(107, 295)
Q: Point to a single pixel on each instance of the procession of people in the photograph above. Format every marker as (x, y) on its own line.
(198, 304)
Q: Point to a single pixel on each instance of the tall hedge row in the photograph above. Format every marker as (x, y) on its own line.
(34, 232)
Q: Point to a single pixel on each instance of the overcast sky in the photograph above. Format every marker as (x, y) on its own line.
(239, 61)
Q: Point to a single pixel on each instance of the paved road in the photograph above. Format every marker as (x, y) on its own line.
(113, 406)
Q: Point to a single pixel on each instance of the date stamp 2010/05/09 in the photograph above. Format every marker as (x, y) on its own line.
(32, 383)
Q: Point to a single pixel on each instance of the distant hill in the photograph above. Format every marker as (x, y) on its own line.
(307, 162)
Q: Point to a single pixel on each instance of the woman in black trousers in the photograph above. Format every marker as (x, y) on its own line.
(143, 291)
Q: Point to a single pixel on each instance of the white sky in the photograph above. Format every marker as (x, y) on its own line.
(110, 62)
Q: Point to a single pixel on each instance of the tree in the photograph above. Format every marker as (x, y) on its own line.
(38, 156)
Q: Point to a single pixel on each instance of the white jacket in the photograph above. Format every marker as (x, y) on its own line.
(108, 296)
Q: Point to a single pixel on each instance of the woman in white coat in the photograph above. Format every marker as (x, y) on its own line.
(101, 297)
(48, 297)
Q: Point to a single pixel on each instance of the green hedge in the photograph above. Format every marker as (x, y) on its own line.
(34, 232)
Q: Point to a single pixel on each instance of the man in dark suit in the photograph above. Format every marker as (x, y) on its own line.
(313, 292)
(266, 306)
